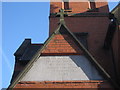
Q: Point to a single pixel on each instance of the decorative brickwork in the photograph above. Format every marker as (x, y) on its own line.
(61, 44)
(65, 84)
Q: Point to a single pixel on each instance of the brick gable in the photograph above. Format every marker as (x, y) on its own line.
(62, 44)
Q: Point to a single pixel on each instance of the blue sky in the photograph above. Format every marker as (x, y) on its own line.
(20, 21)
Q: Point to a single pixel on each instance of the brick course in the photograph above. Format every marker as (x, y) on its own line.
(64, 84)
(61, 44)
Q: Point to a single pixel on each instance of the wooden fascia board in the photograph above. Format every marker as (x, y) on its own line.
(52, 15)
(115, 8)
(29, 65)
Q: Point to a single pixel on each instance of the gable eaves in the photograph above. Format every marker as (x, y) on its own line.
(86, 52)
(30, 63)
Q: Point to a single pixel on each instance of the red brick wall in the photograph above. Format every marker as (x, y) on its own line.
(79, 7)
(82, 24)
(61, 44)
(103, 7)
(55, 7)
(115, 47)
(65, 84)
(96, 27)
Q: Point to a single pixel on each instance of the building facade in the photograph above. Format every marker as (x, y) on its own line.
(81, 51)
(116, 39)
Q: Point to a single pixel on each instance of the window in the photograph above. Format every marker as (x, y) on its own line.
(92, 4)
(65, 4)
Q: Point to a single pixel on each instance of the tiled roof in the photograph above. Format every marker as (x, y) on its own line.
(29, 53)
(27, 50)
(23, 47)
(83, 49)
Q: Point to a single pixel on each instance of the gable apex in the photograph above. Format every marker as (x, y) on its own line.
(62, 28)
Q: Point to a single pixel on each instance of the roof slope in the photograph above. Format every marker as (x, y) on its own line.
(62, 28)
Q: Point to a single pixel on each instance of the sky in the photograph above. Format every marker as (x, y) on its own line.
(22, 20)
